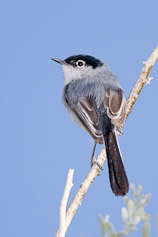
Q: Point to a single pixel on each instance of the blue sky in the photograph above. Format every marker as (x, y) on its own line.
(39, 142)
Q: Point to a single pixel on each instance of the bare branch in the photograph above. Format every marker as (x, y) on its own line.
(62, 210)
(76, 202)
(142, 80)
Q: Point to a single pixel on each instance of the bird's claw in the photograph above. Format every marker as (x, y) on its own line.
(94, 161)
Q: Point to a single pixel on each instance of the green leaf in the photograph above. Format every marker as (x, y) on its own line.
(146, 217)
(132, 186)
(143, 200)
(137, 219)
(138, 191)
(102, 226)
(124, 215)
(130, 208)
(146, 229)
(107, 218)
(109, 228)
(122, 233)
(106, 226)
(126, 200)
(140, 212)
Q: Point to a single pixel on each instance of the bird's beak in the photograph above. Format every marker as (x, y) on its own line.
(59, 61)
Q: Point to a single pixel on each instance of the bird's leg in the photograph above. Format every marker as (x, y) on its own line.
(93, 160)
(93, 155)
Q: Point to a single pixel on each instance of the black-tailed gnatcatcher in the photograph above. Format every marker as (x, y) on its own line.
(94, 99)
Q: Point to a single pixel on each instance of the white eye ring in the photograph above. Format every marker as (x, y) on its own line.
(80, 63)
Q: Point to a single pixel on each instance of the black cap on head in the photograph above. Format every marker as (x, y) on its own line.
(89, 60)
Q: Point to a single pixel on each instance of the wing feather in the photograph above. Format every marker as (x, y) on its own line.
(88, 117)
(115, 104)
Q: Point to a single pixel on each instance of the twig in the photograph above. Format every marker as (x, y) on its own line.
(76, 202)
(142, 80)
(62, 210)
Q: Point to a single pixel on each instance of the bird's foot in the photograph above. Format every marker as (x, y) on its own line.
(94, 161)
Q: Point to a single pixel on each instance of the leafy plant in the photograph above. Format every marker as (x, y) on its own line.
(132, 214)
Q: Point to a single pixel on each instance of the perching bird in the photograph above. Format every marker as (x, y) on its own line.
(93, 97)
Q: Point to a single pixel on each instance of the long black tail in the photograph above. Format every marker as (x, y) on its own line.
(118, 179)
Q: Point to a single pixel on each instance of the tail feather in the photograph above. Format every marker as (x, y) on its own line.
(118, 179)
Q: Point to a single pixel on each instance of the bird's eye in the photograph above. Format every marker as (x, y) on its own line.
(80, 63)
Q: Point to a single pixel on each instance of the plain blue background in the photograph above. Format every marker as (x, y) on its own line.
(39, 142)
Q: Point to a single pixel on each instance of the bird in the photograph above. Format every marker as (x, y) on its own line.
(94, 99)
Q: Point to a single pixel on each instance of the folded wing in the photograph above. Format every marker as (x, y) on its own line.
(88, 117)
(115, 104)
